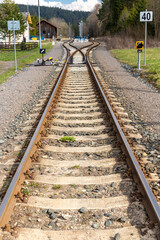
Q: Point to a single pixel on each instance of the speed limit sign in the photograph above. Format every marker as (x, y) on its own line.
(146, 16)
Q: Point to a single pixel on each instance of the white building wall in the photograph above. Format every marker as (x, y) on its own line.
(26, 33)
(18, 38)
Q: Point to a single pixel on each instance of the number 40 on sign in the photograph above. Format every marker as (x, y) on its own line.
(146, 16)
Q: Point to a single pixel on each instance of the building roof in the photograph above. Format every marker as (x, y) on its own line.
(43, 20)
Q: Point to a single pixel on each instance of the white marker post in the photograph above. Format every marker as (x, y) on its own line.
(146, 16)
(13, 26)
(139, 59)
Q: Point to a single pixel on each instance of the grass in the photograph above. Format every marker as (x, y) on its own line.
(25, 191)
(9, 55)
(23, 58)
(151, 70)
(76, 166)
(73, 185)
(6, 75)
(56, 187)
(67, 139)
(16, 153)
(34, 184)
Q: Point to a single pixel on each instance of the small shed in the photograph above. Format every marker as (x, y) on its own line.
(48, 30)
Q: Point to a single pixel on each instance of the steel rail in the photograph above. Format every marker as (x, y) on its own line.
(9, 199)
(71, 56)
(80, 50)
(150, 202)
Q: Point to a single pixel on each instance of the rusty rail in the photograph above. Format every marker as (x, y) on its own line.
(9, 199)
(15, 186)
(149, 200)
(80, 50)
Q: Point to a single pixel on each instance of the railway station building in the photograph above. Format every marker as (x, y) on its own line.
(48, 30)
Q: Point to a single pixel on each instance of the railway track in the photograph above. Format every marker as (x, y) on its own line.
(73, 181)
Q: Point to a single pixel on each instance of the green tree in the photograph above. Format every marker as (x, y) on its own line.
(75, 29)
(154, 5)
(50, 12)
(104, 16)
(118, 15)
(33, 31)
(8, 11)
(116, 7)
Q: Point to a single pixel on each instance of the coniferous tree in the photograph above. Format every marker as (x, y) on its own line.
(8, 11)
(117, 15)
(50, 12)
(154, 5)
(33, 31)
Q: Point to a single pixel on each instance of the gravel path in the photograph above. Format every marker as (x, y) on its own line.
(145, 98)
(139, 99)
(18, 90)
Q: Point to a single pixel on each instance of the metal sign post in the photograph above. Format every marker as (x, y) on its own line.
(12, 26)
(42, 51)
(145, 43)
(40, 44)
(81, 29)
(139, 47)
(139, 59)
(146, 16)
(15, 47)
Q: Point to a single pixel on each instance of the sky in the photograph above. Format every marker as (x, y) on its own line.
(81, 5)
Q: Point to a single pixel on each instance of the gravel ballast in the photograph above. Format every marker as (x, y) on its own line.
(19, 88)
(139, 98)
(145, 98)
(59, 220)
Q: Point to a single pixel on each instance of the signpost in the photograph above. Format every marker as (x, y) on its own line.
(81, 29)
(40, 44)
(139, 47)
(146, 16)
(13, 26)
(42, 51)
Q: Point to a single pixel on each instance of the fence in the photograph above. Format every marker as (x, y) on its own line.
(19, 47)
